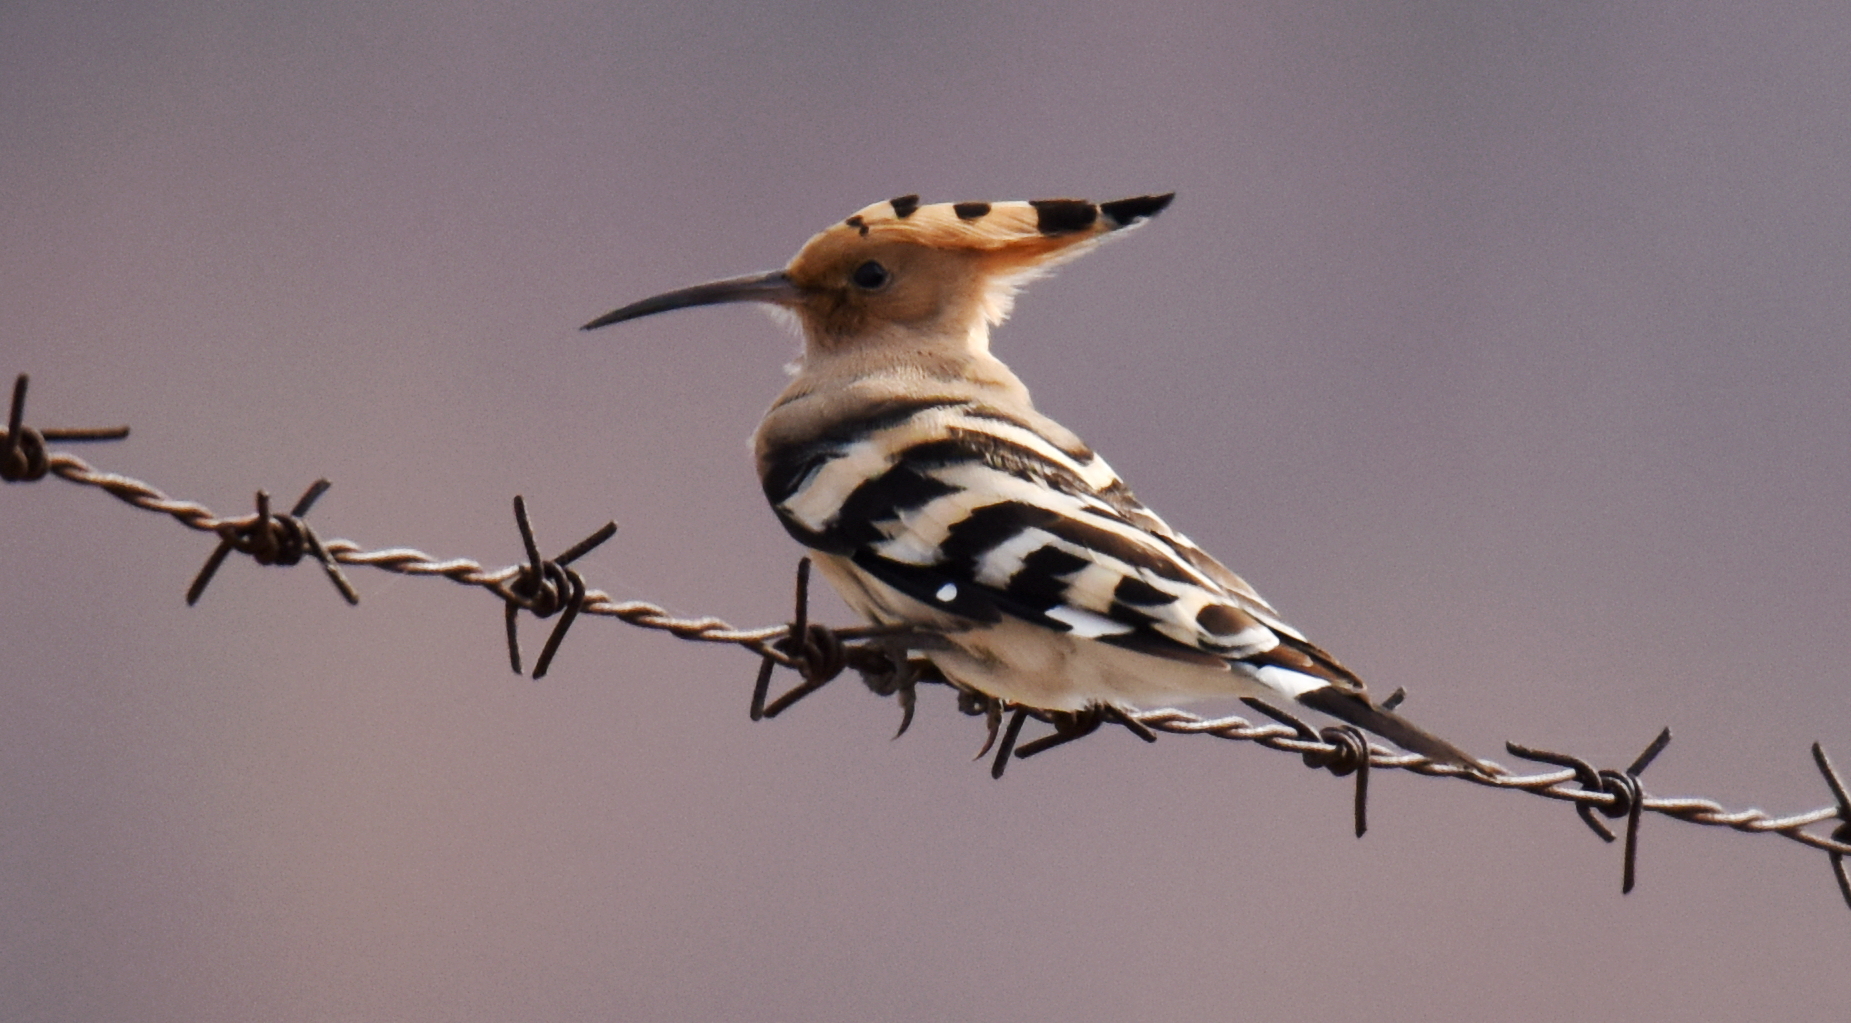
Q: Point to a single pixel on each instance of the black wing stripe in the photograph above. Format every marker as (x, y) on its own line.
(1115, 545)
(1134, 591)
(932, 586)
(987, 528)
(1159, 645)
(1041, 581)
(883, 499)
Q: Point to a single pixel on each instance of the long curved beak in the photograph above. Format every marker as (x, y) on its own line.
(774, 287)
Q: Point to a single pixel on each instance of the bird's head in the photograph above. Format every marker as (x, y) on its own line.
(945, 270)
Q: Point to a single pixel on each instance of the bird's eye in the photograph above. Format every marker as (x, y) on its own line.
(870, 276)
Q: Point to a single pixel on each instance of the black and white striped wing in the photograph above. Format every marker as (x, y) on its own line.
(976, 513)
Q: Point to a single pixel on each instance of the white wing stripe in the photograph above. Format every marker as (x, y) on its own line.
(1003, 561)
(1087, 624)
(820, 495)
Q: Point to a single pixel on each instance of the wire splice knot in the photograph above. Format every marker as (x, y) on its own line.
(1842, 833)
(1623, 795)
(23, 455)
(545, 587)
(814, 651)
(273, 539)
(1340, 749)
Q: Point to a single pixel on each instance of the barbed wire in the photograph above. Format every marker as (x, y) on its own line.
(885, 659)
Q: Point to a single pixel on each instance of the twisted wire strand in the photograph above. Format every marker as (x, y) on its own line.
(1560, 784)
(1564, 784)
(408, 561)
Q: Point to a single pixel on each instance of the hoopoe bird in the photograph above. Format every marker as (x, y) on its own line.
(933, 495)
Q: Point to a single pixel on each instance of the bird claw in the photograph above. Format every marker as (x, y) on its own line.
(908, 699)
(992, 710)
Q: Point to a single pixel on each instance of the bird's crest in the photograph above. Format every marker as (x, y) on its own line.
(1016, 232)
(996, 246)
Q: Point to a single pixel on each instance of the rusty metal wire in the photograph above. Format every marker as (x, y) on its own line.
(883, 657)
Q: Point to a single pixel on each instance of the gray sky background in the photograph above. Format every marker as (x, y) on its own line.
(1506, 347)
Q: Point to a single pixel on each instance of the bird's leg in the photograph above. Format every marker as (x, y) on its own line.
(892, 673)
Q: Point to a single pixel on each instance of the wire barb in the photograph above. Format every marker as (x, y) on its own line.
(1620, 791)
(1010, 734)
(1340, 749)
(1068, 726)
(814, 650)
(1132, 725)
(1071, 725)
(272, 539)
(545, 588)
(24, 457)
(1842, 833)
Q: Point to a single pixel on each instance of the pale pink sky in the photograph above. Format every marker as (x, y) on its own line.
(1506, 347)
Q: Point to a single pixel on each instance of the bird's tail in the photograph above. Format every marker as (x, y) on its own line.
(1356, 709)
